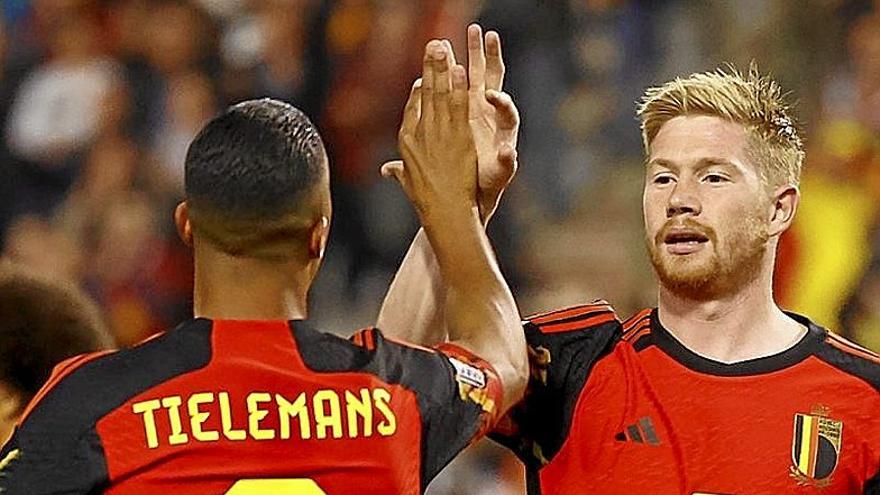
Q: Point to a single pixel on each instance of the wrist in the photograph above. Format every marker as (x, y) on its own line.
(447, 213)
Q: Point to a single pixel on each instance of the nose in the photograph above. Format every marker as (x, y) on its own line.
(683, 201)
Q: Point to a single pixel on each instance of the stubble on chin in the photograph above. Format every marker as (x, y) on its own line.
(725, 268)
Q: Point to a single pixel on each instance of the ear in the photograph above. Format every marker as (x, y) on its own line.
(318, 236)
(184, 227)
(785, 203)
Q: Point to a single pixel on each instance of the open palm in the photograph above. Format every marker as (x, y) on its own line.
(493, 118)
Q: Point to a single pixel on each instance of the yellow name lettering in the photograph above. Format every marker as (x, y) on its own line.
(360, 409)
(287, 411)
(319, 416)
(325, 420)
(226, 419)
(382, 399)
(197, 417)
(177, 436)
(148, 408)
(255, 415)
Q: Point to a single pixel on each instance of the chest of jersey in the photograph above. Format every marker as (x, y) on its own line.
(645, 423)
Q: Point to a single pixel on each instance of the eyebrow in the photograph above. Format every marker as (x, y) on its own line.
(703, 163)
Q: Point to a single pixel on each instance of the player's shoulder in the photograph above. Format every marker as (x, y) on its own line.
(574, 337)
(84, 388)
(847, 357)
(594, 315)
(368, 350)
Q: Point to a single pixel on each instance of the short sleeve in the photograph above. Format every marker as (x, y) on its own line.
(52, 451)
(51, 465)
(459, 394)
(563, 347)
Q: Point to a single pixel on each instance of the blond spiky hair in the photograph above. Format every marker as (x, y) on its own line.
(753, 100)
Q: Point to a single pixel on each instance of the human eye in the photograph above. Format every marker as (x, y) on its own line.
(662, 179)
(715, 178)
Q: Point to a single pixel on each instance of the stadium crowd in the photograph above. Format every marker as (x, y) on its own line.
(99, 100)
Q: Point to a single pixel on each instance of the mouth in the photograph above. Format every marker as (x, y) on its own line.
(684, 241)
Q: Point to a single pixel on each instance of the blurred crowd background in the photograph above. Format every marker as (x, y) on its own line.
(100, 98)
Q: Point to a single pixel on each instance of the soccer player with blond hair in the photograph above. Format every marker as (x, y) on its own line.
(716, 390)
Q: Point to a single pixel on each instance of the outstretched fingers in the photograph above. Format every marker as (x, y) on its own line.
(459, 107)
(448, 45)
(494, 62)
(442, 83)
(427, 89)
(476, 59)
(413, 108)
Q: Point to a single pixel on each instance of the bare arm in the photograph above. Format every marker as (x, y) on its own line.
(413, 309)
(439, 176)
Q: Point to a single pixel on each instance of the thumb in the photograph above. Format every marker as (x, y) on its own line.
(393, 170)
(507, 113)
(507, 156)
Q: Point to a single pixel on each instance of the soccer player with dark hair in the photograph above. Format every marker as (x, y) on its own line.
(717, 390)
(248, 398)
(42, 322)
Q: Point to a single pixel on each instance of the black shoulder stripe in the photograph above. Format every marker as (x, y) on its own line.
(86, 395)
(68, 413)
(582, 317)
(327, 353)
(851, 363)
(571, 313)
(643, 342)
(637, 320)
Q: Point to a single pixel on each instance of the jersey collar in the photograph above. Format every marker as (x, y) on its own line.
(805, 347)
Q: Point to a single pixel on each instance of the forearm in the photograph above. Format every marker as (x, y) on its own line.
(481, 313)
(413, 309)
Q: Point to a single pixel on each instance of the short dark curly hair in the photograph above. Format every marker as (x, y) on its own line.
(251, 176)
(43, 322)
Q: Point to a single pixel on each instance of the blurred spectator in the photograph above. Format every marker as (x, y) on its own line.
(2, 42)
(108, 174)
(56, 110)
(860, 318)
(189, 102)
(6, 184)
(177, 38)
(42, 322)
(854, 92)
(33, 243)
(134, 272)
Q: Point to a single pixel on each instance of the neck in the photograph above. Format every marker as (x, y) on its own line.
(744, 324)
(236, 288)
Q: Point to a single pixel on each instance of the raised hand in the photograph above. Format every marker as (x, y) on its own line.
(493, 117)
(439, 169)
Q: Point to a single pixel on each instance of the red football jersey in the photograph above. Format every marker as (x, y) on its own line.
(251, 408)
(625, 408)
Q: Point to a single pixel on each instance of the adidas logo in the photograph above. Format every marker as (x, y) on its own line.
(640, 432)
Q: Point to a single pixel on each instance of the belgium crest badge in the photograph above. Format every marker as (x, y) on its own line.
(815, 447)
